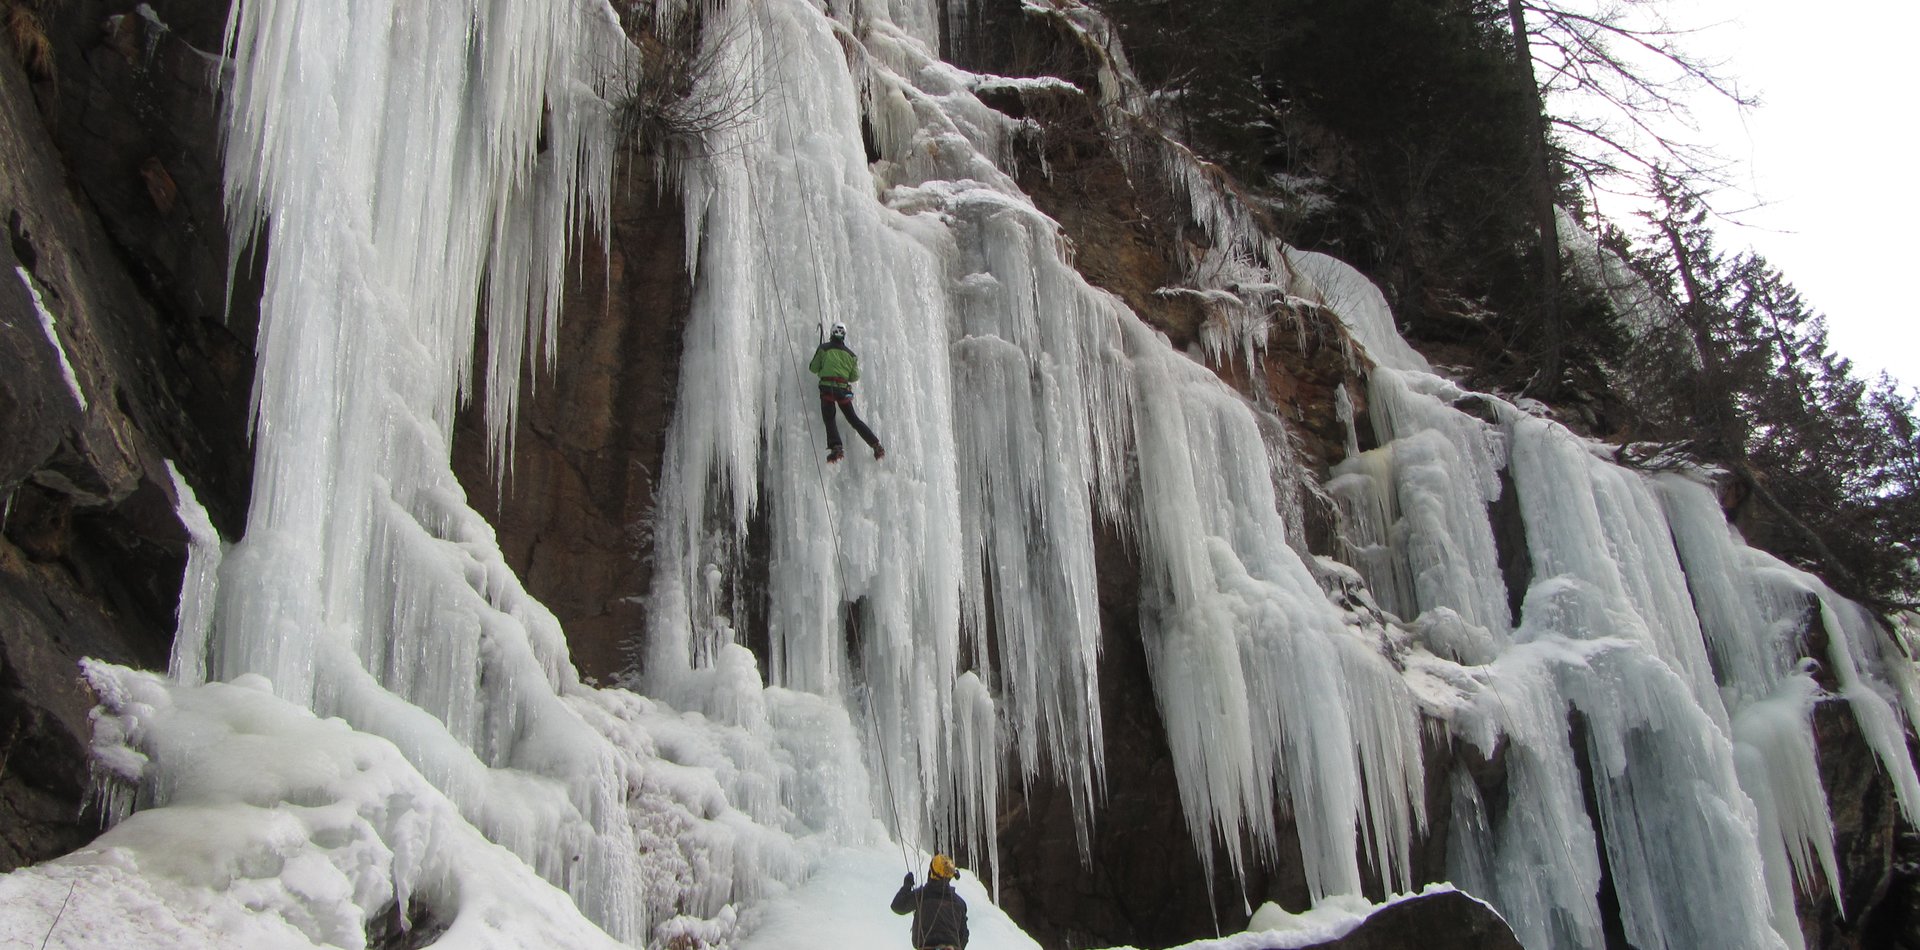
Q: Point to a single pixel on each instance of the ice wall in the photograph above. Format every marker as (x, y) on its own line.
(932, 618)
(954, 582)
(1655, 660)
(413, 166)
(1062, 405)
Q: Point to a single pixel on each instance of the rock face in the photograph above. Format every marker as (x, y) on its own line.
(571, 511)
(110, 191)
(114, 360)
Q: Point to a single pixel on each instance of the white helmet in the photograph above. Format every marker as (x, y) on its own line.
(839, 330)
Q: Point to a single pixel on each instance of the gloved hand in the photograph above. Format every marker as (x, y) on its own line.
(909, 881)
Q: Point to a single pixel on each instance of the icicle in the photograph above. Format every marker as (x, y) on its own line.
(1241, 644)
(1855, 641)
(1750, 632)
(1779, 768)
(193, 620)
(1600, 525)
(1754, 611)
(1343, 411)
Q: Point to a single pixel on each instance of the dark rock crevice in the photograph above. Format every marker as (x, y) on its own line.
(589, 445)
(91, 552)
(1877, 891)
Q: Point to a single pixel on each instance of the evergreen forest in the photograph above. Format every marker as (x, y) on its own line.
(1414, 138)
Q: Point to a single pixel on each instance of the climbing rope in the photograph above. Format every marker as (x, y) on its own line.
(864, 699)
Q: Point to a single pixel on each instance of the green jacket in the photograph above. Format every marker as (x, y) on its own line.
(837, 366)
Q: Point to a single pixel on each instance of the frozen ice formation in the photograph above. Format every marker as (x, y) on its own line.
(933, 621)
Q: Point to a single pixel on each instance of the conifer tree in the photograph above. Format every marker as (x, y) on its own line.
(1622, 57)
(1745, 372)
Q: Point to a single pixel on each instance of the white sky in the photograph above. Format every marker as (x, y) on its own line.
(1828, 149)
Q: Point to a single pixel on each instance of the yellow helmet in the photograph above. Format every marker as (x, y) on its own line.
(941, 868)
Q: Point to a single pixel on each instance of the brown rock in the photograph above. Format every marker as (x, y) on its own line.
(160, 186)
(571, 513)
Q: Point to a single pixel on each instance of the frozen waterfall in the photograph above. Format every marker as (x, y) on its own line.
(933, 619)
(1019, 404)
(1653, 653)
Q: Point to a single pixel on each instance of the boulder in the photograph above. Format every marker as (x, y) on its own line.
(1442, 920)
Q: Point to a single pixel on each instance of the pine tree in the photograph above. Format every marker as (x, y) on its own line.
(1745, 372)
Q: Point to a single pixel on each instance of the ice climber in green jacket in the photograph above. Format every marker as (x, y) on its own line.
(838, 369)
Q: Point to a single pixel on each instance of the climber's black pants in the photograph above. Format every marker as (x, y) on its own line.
(829, 398)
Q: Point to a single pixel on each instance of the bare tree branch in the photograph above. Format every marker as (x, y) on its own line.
(1632, 67)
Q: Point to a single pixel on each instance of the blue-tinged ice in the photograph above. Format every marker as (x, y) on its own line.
(933, 623)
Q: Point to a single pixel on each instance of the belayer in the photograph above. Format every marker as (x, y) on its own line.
(838, 369)
(939, 915)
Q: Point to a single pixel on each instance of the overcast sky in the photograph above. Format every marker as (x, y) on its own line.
(1830, 150)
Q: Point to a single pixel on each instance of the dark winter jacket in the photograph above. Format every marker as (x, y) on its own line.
(939, 915)
(837, 366)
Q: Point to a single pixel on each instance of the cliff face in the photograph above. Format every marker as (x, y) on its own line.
(110, 188)
(1144, 884)
(571, 508)
(114, 359)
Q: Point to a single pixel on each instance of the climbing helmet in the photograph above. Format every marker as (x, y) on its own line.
(941, 868)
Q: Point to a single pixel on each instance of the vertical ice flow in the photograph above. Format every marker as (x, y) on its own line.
(1600, 526)
(193, 620)
(1416, 508)
(416, 164)
(936, 615)
(1020, 408)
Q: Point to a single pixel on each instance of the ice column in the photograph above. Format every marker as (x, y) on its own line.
(1257, 675)
(863, 559)
(414, 162)
(1417, 506)
(198, 587)
(1681, 835)
(1539, 862)
(1600, 526)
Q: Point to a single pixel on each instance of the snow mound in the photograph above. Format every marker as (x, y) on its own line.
(271, 827)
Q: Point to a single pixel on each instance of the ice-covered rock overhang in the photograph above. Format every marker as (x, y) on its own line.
(416, 163)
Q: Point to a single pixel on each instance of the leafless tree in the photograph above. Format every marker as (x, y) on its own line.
(1624, 60)
(678, 91)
